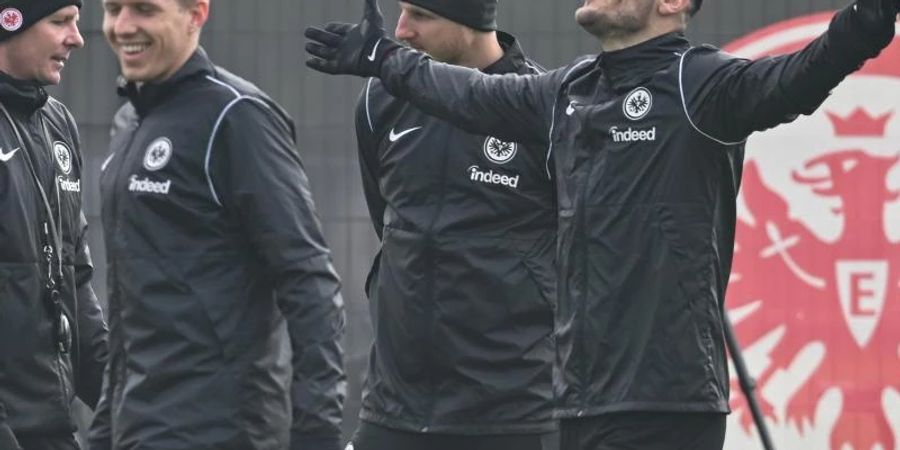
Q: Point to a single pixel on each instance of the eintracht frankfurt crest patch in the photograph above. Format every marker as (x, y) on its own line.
(498, 151)
(637, 103)
(63, 157)
(11, 19)
(158, 154)
(815, 288)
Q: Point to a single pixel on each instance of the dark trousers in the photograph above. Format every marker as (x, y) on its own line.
(65, 442)
(644, 431)
(374, 437)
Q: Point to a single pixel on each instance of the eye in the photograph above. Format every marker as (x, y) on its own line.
(144, 8)
(112, 9)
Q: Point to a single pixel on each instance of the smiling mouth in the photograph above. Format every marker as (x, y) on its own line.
(133, 49)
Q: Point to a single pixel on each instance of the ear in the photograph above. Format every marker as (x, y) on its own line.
(674, 7)
(199, 14)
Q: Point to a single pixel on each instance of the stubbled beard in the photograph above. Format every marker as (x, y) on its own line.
(605, 25)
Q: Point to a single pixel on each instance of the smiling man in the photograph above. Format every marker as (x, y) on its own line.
(221, 285)
(648, 140)
(463, 290)
(52, 335)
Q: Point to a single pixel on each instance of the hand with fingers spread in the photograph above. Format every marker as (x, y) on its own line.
(342, 48)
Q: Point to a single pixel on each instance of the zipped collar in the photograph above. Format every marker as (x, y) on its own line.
(149, 95)
(21, 95)
(630, 66)
(513, 59)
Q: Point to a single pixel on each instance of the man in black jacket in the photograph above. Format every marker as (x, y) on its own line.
(220, 281)
(52, 334)
(648, 140)
(463, 289)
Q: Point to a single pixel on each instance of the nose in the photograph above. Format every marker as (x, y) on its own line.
(75, 39)
(404, 31)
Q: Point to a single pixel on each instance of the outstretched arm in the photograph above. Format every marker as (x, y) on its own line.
(730, 99)
(511, 107)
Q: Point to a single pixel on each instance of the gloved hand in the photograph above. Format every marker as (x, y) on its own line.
(877, 18)
(7, 438)
(341, 48)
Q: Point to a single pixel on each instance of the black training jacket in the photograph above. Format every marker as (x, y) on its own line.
(217, 269)
(463, 290)
(38, 382)
(648, 144)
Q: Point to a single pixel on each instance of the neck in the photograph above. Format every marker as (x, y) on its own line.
(619, 41)
(485, 50)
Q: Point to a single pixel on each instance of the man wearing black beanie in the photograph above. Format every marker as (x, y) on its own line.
(648, 140)
(463, 290)
(52, 334)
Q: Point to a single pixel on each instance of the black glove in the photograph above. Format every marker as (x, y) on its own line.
(7, 438)
(341, 48)
(877, 19)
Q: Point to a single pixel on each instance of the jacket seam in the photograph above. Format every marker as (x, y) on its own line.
(687, 114)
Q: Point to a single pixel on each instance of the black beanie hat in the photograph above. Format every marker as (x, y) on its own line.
(477, 14)
(17, 16)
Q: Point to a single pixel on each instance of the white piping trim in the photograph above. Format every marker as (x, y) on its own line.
(212, 138)
(222, 83)
(368, 112)
(684, 103)
(107, 161)
(553, 120)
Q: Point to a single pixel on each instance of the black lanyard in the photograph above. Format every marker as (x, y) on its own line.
(52, 245)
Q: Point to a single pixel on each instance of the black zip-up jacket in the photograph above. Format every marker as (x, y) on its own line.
(37, 381)
(217, 269)
(648, 144)
(463, 290)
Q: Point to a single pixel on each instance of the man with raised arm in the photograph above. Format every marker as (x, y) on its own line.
(648, 141)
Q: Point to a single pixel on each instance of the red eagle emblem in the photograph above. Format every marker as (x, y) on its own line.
(815, 287)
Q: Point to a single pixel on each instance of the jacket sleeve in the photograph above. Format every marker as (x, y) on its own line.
(367, 143)
(510, 106)
(92, 332)
(257, 175)
(729, 98)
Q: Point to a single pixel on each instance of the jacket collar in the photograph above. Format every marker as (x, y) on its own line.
(630, 66)
(148, 95)
(513, 57)
(20, 95)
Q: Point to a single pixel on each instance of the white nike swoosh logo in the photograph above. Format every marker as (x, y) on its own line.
(371, 56)
(394, 137)
(8, 156)
(571, 109)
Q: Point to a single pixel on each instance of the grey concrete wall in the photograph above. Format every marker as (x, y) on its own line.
(262, 41)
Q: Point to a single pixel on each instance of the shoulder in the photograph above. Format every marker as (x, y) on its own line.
(706, 59)
(244, 96)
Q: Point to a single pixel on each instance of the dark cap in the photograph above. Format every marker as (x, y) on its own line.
(17, 16)
(477, 14)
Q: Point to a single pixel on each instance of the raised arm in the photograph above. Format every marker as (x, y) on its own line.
(730, 98)
(511, 107)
